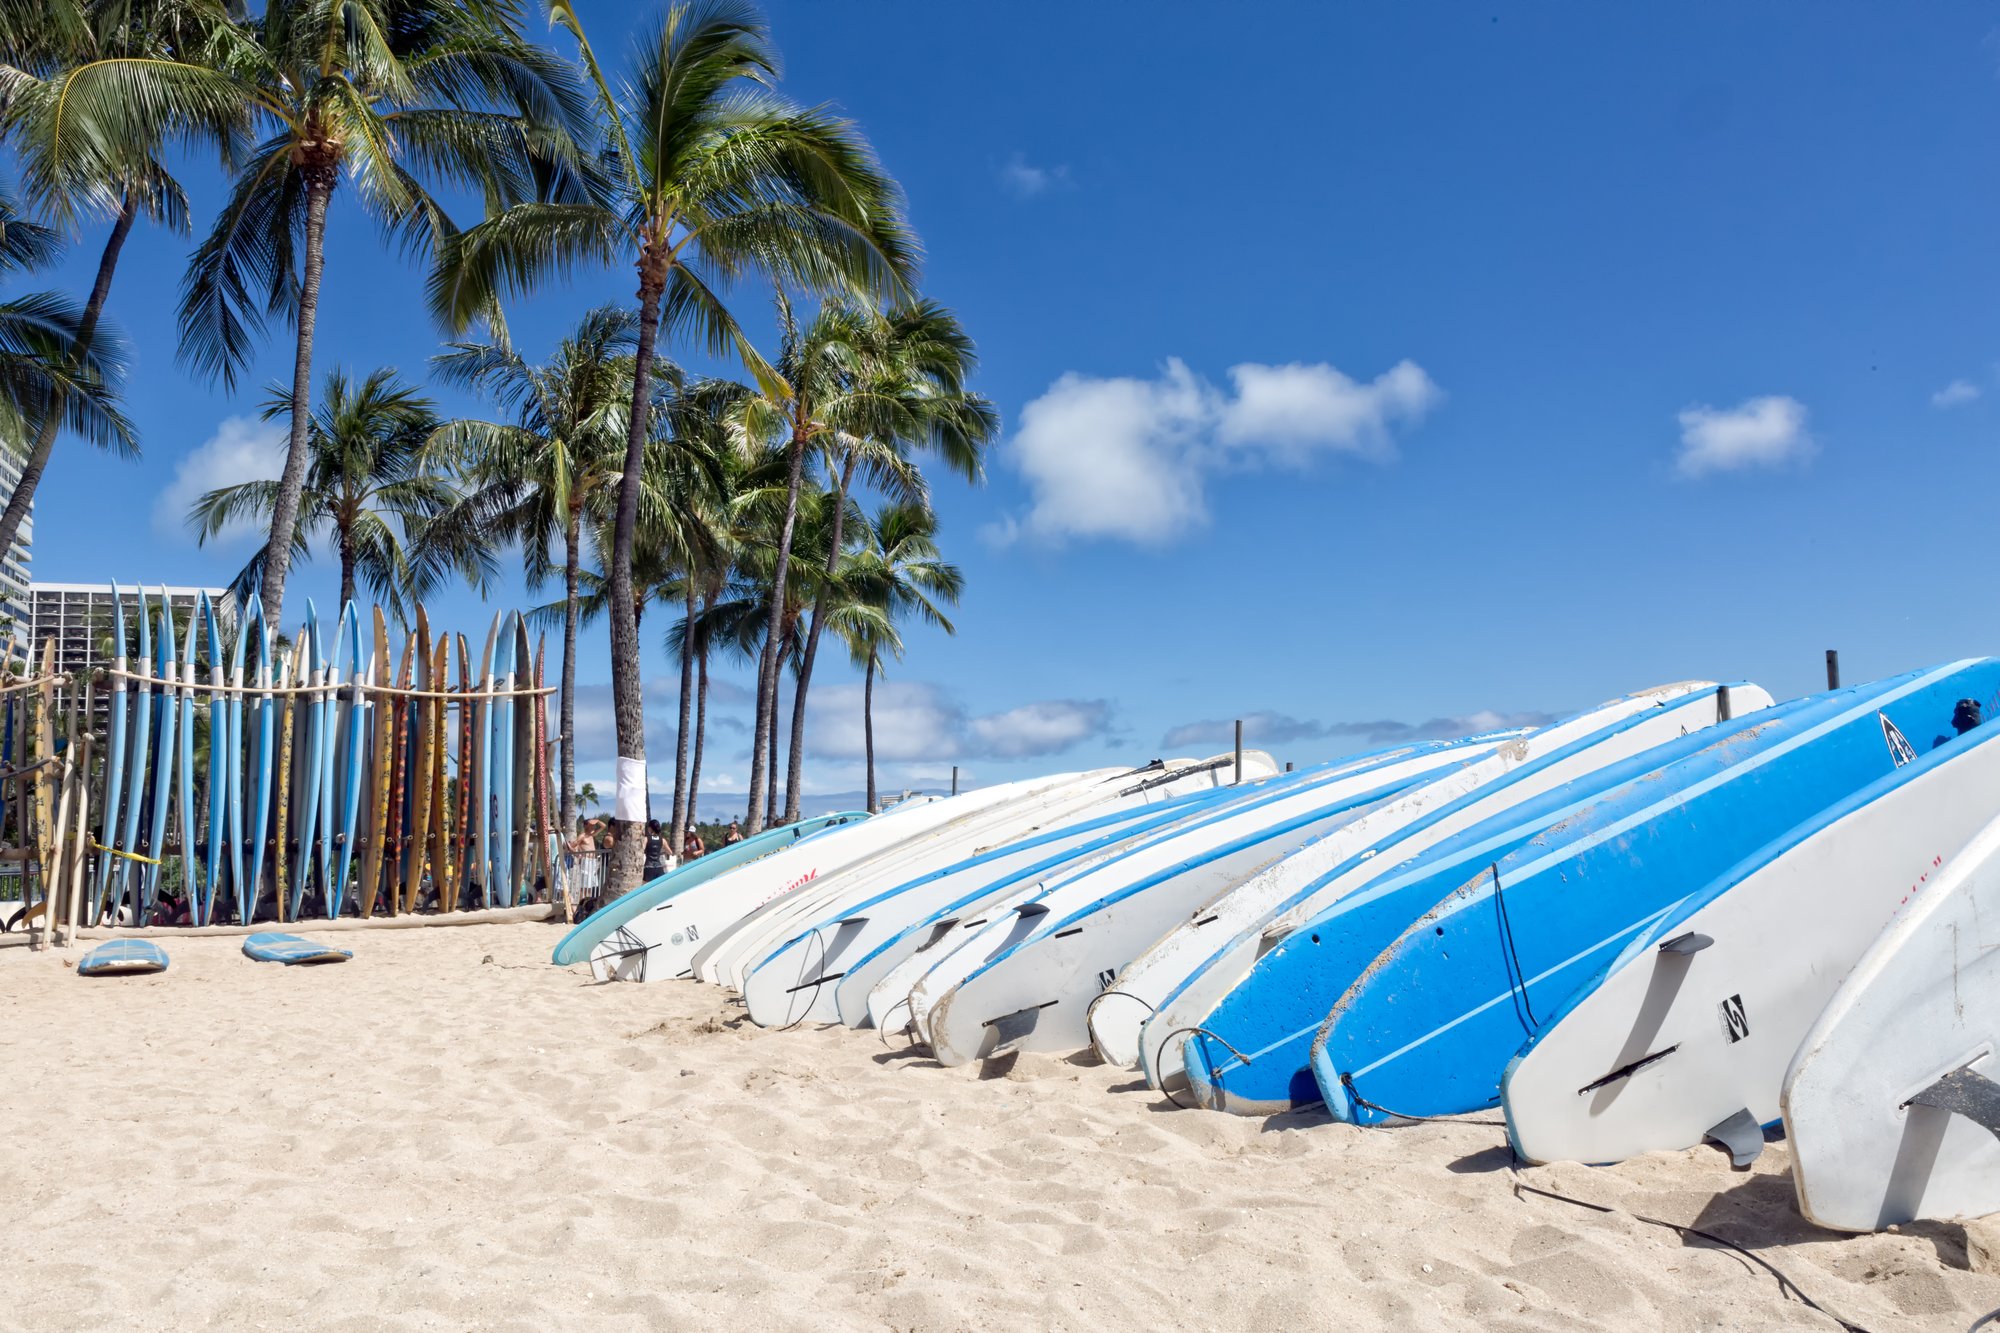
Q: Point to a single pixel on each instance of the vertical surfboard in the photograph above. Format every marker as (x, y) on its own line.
(128, 874)
(191, 876)
(309, 739)
(261, 756)
(281, 787)
(353, 717)
(440, 724)
(500, 767)
(382, 722)
(422, 733)
(521, 795)
(221, 760)
(114, 758)
(462, 827)
(482, 746)
(165, 713)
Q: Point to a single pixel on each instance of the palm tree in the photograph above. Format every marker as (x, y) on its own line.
(548, 475)
(898, 572)
(369, 487)
(902, 389)
(713, 176)
(81, 161)
(388, 92)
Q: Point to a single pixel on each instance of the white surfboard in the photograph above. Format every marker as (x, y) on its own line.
(1032, 988)
(660, 943)
(798, 981)
(1419, 818)
(1889, 1098)
(926, 944)
(1688, 1034)
(1023, 806)
(1198, 970)
(892, 1002)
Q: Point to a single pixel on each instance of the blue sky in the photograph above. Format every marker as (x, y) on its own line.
(1364, 368)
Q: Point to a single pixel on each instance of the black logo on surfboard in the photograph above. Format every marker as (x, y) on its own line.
(1900, 748)
(1735, 1025)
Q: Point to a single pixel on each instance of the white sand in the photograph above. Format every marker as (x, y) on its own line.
(425, 1139)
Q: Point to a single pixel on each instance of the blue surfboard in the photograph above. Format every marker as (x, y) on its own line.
(1428, 1027)
(114, 757)
(276, 947)
(1272, 1014)
(123, 958)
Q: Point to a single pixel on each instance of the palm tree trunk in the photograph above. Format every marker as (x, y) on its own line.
(771, 800)
(680, 816)
(798, 755)
(628, 700)
(767, 667)
(320, 177)
(346, 568)
(700, 721)
(813, 643)
(566, 721)
(868, 725)
(86, 333)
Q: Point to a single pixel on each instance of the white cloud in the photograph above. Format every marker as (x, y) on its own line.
(918, 722)
(1760, 432)
(1024, 180)
(1048, 727)
(1128, 459)
(1955, 394)
(242, 449)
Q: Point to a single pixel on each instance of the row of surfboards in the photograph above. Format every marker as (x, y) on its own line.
(324, 776)
(1681, 917)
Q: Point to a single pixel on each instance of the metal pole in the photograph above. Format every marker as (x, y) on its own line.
(1239, 749)
(954, 779)
(1724, 709)
(1833, 668)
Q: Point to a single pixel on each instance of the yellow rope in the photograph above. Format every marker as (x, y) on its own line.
(338, 688)
(129, 856)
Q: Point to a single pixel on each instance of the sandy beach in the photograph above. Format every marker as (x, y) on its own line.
(447, 1132)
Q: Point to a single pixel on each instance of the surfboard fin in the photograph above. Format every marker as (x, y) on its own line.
(1741, 1137)
(1965, 1093)
(1691, 942)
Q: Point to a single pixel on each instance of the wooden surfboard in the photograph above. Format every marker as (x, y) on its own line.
(462, 829)
(399, 779)
(521, 797)
(440, 725)
(423, 736)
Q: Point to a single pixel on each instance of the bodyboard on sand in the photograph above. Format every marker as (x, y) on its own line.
(123, 958)
(272, 947)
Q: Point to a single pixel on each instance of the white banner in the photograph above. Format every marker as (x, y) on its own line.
(631, 805)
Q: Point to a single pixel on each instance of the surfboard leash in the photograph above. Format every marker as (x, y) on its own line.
(1785, 1284)
(1519, 980)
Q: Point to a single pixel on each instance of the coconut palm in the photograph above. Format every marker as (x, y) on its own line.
(900, 390)
(714, 177)
(546, 477)
(388, 94)
(91, 149)
(369, 489)
(899, 572)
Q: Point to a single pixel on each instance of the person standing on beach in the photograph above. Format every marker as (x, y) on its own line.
(656, 851)
(735, 834)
